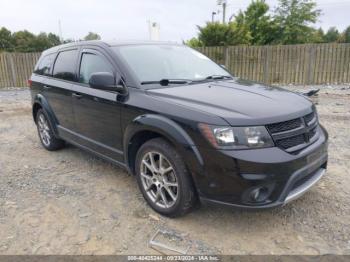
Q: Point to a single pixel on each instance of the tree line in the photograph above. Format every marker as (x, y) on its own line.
(25, 41)
(291, 22)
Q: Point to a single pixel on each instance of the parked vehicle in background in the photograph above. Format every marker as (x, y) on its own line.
(182, 124)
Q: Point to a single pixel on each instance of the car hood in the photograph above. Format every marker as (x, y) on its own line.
(237, 101)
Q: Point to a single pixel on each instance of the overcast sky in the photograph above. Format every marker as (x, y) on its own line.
(127, 19)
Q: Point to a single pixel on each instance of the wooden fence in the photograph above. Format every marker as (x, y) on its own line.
(290, 64)
(16, 68)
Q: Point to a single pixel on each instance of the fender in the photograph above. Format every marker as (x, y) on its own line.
(41, 100)
(171, 131)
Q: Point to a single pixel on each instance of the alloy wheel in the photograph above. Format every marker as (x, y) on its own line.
(159, 179)
(44, 130)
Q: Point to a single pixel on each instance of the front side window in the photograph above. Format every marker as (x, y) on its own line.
(45, 64)
(157, 62)
(65, 65)
(91, 63)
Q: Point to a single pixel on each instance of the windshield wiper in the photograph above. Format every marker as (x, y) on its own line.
(214, 77)
(165, 82)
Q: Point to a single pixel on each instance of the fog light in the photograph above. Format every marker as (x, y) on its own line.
(259, 194)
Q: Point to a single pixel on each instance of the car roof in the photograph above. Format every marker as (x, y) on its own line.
(107, 43)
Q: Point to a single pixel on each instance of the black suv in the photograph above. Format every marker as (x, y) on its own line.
(182, 124)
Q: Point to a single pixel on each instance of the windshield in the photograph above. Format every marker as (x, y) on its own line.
(159, 62)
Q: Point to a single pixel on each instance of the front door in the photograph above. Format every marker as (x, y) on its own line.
(97, 112)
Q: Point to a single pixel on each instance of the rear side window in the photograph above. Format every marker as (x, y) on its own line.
(91, 63)
(65, 65)
(45, 64)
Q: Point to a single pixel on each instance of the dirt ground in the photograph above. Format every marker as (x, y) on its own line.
(70, 202)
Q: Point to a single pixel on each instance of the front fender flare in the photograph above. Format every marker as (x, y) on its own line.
(171, 131)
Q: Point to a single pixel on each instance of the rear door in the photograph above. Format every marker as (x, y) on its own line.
(42, 71)
(57, 89)
(97, 112)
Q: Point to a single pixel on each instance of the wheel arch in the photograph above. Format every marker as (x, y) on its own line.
(149, 126)
(40, 102)
(36, 107)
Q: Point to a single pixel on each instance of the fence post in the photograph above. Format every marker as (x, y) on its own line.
(226, 57)
(11, 64)
(267, 65)
(311, 65)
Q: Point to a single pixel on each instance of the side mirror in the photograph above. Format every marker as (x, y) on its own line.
(224, 67)
(105, 81)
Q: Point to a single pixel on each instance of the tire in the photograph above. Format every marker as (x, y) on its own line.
(155, 184)
(46, 136)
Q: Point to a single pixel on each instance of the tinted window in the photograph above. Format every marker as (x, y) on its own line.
(91, 63)
(45, 64)
(65, 65)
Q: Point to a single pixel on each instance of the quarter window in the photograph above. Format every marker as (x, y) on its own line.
(44, 66)
(91, 63)
(65, 65)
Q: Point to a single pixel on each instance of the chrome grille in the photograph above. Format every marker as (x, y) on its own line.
(296, 134)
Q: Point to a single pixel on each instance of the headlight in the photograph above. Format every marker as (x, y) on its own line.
(237, 137)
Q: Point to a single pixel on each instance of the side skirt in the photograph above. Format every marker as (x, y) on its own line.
(112, 155)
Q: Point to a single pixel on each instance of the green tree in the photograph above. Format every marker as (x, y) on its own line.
(213, 34)
(92, 36)
(260, 25)
(44, 41)
(54, 39)
(217, 34)
(238, 33)
(332, 35)
(294, 18)
(317, 36)
(24, 41)
(41, 42)
(28, 42)
(345, 36)
(6, 40)
(194, 42)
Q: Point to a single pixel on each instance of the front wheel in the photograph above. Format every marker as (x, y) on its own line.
(163, 179)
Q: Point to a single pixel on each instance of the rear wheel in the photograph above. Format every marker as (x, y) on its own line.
(163, 178)
(47, 138)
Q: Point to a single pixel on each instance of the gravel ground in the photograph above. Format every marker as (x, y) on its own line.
(70, 202)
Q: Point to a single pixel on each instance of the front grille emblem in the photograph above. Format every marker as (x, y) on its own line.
(307, 131)
(307, 136)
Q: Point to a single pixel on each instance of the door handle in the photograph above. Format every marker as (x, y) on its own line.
(46, 87)
(77, 96)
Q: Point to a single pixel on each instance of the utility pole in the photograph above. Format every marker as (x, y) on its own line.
(223, 3)
(154, 29)
(212, 16)
(224, 11)
(60, 30)
(149, 29)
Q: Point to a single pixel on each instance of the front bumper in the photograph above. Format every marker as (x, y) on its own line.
(232, 177)
(303, 188)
